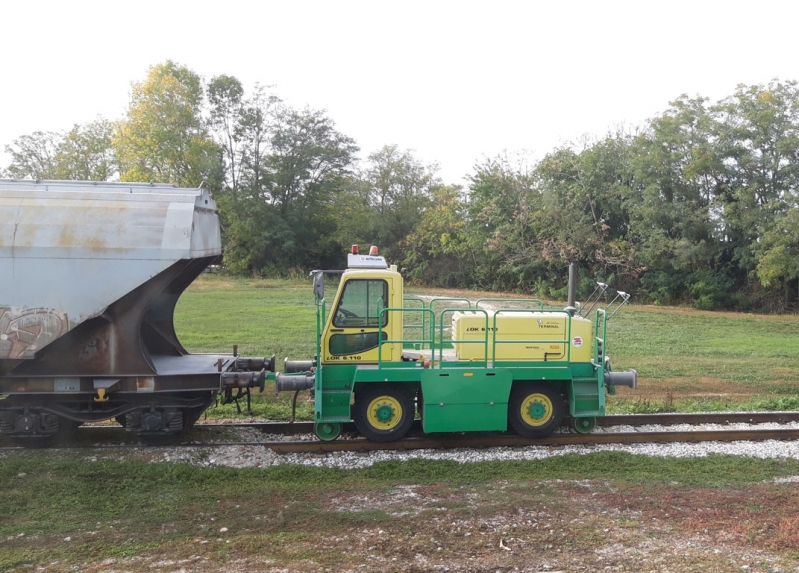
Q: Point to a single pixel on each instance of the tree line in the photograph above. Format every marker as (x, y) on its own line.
(698, 206)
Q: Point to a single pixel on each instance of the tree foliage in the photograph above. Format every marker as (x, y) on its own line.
(395, 189)
(439, 251)
(294, 167)
(83, 153)
(33, 156)
(699, 205)
(164, 137)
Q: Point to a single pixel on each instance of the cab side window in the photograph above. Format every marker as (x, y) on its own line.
(359, 308)
(361, 303)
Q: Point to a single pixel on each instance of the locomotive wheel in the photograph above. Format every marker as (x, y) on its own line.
(383, 413)
(535, 410)
(583, 425)
(327, 431)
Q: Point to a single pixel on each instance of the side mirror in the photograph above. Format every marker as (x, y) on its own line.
(319, 285)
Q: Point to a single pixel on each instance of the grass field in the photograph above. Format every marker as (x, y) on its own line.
(73, 512)
(111, 512)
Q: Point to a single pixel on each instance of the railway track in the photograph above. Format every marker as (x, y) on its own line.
(673, 419)
(643, 435)
(496, 441)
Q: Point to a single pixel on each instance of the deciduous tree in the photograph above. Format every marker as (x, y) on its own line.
(85, 153)
(164, 138)
(400, 188)
(34, 156)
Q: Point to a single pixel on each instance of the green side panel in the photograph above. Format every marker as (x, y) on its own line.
(465, 400)
(465, 417)
(333, 393)
(586, 397)
(396, 372)
(583, 370)
(538, 371)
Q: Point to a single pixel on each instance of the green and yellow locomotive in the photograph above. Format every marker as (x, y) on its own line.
(462, 366)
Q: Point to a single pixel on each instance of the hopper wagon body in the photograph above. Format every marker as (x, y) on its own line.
(91, 274)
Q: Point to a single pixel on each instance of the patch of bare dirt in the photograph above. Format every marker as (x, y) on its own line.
(536, 526)
(552, 526)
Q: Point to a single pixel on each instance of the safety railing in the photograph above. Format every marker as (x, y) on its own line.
(600, 327)
(567, 321)
(424, 340)
(537, 301)
(407, 302)
(432, 325)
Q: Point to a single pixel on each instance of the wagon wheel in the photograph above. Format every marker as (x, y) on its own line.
(383, 413)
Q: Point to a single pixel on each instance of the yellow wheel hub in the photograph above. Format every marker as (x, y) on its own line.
(384, 413)
(537, 410)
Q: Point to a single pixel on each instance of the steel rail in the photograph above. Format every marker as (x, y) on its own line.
(670, 419)
(485, 440)
(495, 441)
(479, 441)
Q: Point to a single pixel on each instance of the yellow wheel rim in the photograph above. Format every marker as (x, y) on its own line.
(384, 413)
(536, 410)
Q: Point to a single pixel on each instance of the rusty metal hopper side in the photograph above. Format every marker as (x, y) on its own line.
(126, 338)
(70, 251)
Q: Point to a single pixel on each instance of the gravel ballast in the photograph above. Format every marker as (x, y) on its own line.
(254, 456)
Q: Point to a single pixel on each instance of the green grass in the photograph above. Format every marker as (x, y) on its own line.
(705, 334)
(740, 361)
(112, 509)
(262, 316)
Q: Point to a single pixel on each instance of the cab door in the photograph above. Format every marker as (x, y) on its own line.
(356, 326)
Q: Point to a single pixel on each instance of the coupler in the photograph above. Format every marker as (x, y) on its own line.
(628, 378)
(294, 382)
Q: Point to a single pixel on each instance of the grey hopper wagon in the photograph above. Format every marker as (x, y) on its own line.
(90, 276)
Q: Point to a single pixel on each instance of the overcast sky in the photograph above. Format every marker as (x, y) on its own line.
(455, 81)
